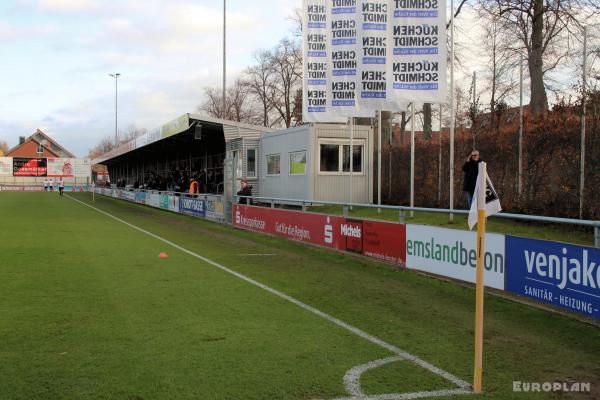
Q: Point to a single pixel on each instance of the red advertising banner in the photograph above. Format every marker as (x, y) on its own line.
(317, 229)
(29, 166)
(381, 240)
(385, 241)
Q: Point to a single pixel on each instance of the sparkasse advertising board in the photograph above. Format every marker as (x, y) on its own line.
(451, 253)
(318, 229)
(564, 275)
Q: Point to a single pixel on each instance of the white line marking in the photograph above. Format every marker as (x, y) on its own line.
(409, 396)
(424, 364)
(352, 377)
(537, 280)
(579, 291)
(258, 255)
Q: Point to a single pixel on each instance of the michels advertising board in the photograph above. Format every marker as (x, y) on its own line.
(384, 241)
(564, 275)
(451, 253)
(29, 166)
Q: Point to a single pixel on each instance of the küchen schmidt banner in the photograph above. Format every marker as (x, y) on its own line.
(366, 55)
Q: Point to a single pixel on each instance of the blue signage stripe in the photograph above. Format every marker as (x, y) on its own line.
(403, 51)
(416, 86)
(374, 60)
(415, 14)
(343, 72)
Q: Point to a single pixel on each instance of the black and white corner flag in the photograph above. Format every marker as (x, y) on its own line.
(492, 202)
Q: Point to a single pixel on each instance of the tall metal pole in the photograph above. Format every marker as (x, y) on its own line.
(116, 76)
(474, 106)
(439, 193)
(351, 159)
(583, 94)
(452, 111)
(379, 161)
(412, 158)
(520, 173)
(224, 53)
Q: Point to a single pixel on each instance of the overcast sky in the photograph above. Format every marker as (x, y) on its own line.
(57, 54)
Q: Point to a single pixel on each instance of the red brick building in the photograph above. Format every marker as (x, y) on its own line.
(39, 145)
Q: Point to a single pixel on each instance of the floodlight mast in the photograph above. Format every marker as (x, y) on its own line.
(116, 76)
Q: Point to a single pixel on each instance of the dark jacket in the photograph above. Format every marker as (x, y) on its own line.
(471, 170)
(246, 191)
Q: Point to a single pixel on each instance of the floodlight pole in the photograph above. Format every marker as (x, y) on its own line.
(583, 94)
(452, 111)
(520, 174)
(116, 76)
(224, 54)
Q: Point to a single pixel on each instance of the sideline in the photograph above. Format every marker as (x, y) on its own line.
(465, 388)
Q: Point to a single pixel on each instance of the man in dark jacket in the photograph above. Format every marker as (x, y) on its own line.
(246, 190)
(471, 170)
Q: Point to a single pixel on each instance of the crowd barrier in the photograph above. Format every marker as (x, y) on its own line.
(560, 274)
(39, 188)
(204, 206)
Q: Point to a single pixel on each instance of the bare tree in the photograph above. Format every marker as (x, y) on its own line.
(3, 148)
(502, 63)
(287, 68)
(213, 103)
(538, 27)
(260, 82)
(105, 145)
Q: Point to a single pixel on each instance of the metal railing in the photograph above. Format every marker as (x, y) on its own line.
(402, 212)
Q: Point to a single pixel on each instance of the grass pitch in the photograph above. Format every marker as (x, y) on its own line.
(89, 311)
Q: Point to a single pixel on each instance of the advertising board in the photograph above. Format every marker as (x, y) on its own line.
(564, 275)
(451, 253)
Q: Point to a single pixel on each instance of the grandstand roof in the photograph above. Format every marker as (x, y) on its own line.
(175, 130)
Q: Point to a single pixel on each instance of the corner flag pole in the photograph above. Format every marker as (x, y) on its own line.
(481, 217)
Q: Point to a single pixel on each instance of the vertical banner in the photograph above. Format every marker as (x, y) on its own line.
(373, 55)
(417, 36)
(315, 68)
(343, 57)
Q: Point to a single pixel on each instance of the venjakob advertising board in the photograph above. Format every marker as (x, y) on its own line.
(564, 275)
(317, 229)
(451, 253)
(192, 206)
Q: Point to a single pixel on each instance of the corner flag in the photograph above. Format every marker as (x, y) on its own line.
(492, 202)
(485, 203)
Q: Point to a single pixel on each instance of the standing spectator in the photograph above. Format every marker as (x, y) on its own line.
(45, 184)
(471, 170)
(51, 185)
(245, 190)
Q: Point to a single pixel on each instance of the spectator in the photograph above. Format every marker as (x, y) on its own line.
(471, 170)
(245, 190)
